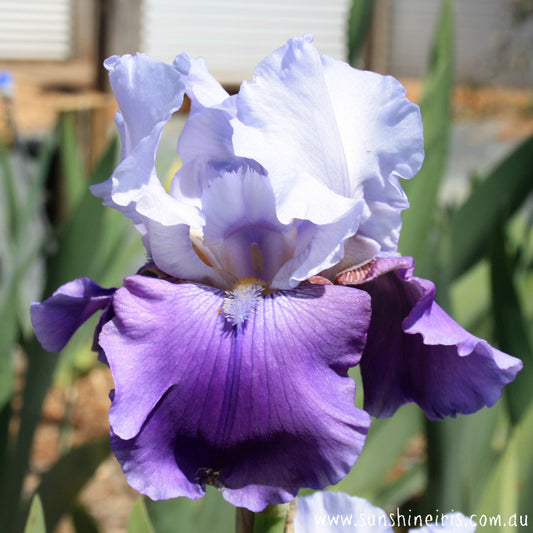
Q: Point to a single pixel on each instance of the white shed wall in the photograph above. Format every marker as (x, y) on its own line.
(33, 29)
(483, 30)
(234, 35)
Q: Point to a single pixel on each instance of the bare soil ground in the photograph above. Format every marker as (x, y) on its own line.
(72, 416)
(44, 89)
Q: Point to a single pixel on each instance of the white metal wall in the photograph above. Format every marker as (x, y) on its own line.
(234, 35)
(35, 29)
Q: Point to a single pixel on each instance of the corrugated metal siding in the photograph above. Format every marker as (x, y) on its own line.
(35, 29)
(480, 28)
(234, 35)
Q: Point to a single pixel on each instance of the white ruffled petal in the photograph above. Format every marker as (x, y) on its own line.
(286, 123)
(328, 135)
(148, 92)
(381, 132)
(319, 247)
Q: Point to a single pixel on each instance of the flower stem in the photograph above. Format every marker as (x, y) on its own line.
(274, 519)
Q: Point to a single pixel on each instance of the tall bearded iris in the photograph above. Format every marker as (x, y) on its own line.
(273, 270)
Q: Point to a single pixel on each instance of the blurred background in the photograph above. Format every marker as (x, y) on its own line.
(469, 63)
(55, 50)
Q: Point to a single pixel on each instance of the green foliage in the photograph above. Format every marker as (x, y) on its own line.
(82, 520)
(20, 250)
(384, 453)
(139, 521)
(21, 239)
(38, 377)
(210, 514)
(8, 332)
(61, 485)
(493, 201)
(35, 522)
(74, 181)
(509, 323)
(271, 520)
(468, 251)
(46, 255)
(509, 491)
(359, 23)
(418, 232)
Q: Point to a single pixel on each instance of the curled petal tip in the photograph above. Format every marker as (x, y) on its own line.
(56, 319)
(416, 352)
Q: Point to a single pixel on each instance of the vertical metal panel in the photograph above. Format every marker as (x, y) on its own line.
(234, 35)
(481, 28)
(33, 29)
(412, 30)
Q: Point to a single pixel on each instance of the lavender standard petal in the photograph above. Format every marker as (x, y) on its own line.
(56, 319)
(416, 353)
(258, 410)
(311, 119)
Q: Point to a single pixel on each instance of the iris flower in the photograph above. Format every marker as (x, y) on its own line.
(336, 512)
(273, 270)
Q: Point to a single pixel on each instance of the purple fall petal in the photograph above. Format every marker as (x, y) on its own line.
(56, 319)
(258, 410)
(416, 353)
(107, 314)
